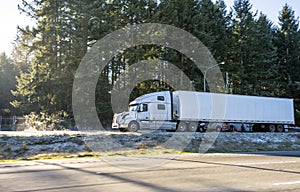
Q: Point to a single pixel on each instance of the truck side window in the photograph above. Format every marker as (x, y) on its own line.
(160, 98)
(161, 107)
(143, 108)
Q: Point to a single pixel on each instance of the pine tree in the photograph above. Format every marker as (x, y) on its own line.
(264, 76)
(7, 82)
(240, 61)
(287, 42)
(58, 43)
(184, 15)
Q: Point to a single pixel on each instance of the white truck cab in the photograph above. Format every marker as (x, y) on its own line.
(151, 111)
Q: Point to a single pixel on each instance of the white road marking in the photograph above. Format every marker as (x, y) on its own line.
(267, 163)
(287, 183)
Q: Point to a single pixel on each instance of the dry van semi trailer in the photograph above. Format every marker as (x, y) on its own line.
(198, 111)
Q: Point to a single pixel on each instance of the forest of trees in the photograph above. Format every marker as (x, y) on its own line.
(262, 58)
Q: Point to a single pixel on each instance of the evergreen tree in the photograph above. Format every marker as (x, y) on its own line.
(240, 61)
(264, 74)
(288, 49)
(7, 81)
(213, 27)
(184, 15)
(59, 41)
(42, 84)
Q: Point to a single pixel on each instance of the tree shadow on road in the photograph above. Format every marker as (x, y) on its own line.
(121, 179)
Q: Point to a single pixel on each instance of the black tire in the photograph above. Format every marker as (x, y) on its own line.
(214, 128)
(243, 129)
(193, 126)
(182, 127)
(272, 128)
(218, 128)
(279, 128)
(201, 129)
(133, 126)
(232, 128)
(255, 128)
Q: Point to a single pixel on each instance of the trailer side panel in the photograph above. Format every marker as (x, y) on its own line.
(199, 106)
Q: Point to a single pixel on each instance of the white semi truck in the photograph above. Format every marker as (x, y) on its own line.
(196, 111)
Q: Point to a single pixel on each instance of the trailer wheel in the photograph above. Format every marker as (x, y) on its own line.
(133, 126)
(279, 128)
(218, 128)
(272, 128)
(193, 127)
(182, 127)
(255, 128)
(232, 128)
(214, 128)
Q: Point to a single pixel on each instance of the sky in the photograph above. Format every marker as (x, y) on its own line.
(271, 8)
(10, 17)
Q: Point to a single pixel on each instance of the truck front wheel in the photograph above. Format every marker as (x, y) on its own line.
(133, 126)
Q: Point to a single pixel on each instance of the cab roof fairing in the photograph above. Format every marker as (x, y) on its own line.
(147, 98)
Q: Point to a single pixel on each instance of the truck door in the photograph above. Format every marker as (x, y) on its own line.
(143, 115)
(143, 112)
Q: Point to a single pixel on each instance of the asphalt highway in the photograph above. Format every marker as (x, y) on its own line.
(276, 171)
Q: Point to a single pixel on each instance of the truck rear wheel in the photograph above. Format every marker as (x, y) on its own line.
(133, 126)
(193, 126)
(182, 127)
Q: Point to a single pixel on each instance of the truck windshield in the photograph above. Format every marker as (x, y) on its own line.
(133, 107)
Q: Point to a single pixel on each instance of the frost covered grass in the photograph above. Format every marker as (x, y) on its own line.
(253, 142)
(31, 145)
(58, 156)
